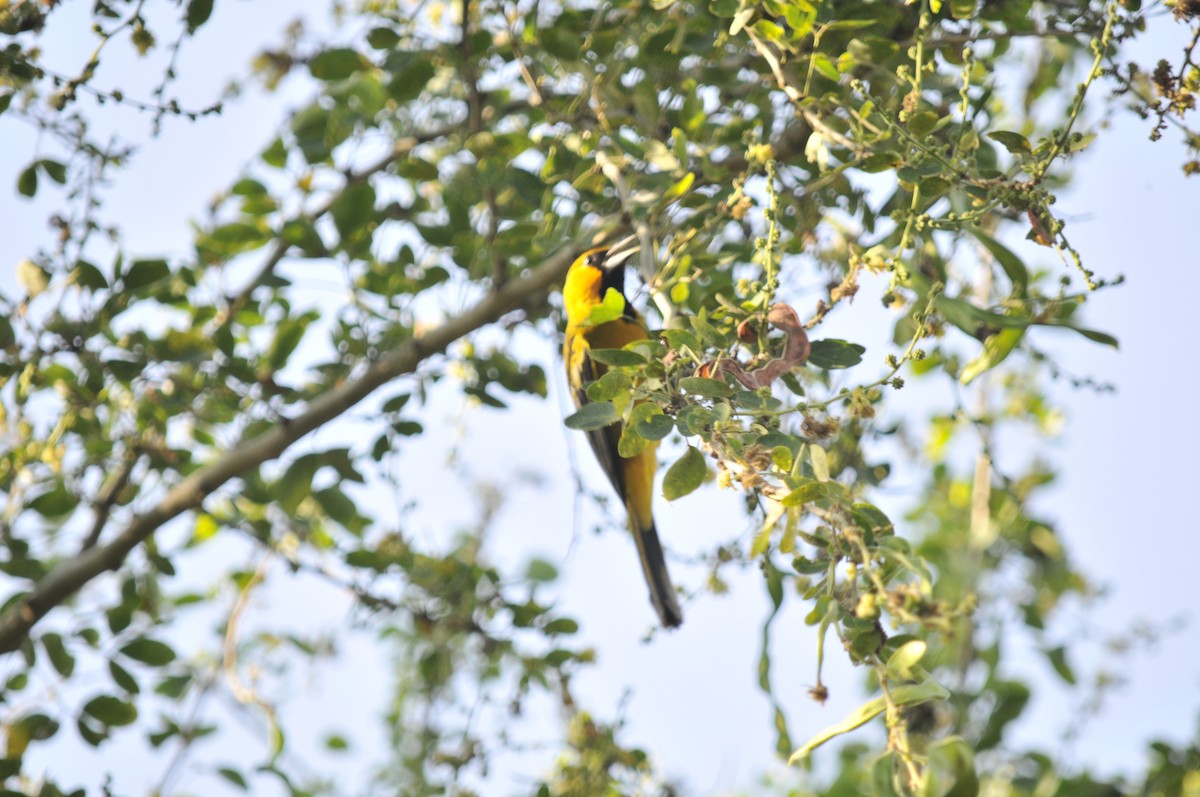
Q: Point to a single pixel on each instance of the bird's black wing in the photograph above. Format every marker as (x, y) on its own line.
(603, 441)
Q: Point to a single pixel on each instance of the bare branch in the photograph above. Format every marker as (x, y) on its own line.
(68, 577)
(107, 498)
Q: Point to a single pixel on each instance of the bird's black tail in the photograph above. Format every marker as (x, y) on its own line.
(654, 567)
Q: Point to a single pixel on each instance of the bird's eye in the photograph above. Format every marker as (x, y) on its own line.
(596, 260)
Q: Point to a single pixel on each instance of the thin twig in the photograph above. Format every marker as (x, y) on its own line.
(108, 498)
(244, 694)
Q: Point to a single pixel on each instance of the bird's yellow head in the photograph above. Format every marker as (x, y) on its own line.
(590, 277)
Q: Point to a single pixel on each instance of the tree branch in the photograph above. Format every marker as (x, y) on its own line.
(70, 576)
(108, 497)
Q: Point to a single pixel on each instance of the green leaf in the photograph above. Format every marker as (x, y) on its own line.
(871, 518)
(559, 42)
(619, 358)
(396, 403)
(610, 308)
(632, 443)
(850, 24)
(972, 319)
(62, 661)
(809, 567)
(685, 475)
(1080, 141)
(900, 664)
(123, 678)
(206, 527)
(562, 625)
(288, 335)
(383, 38)
(679, 188)
(337, 63)
(820, 462)
(655, 425)
(682, 339)
(30, 728)
(541, 571)
(1058, 660)
(144, 273)
(302, 233)
(879, 162)
(234, 777)
(408, 83)
(811, 490)
(340, 508)
(1015, 143)
(922, 123)
(1013, 266)
(352, 209)
(705, 388)
(906, 695)
(1090, 334)
(296, 483)
(783, 457)
(232, 239)
(87, 275)
(149, 651)
(825, 67)
(173, 686)
(962, 9)
(695, 419)
(55, 503)
(800, 16)
(612, 385)
(311, 126)
(248, 187)
(111, 711)
(768, 30)
(593, 416)
(408, 428)
(55, 170)
(276, 154)
(27, 181)
(995, 349)
(832, 353)
(762, 540)
(198, 12)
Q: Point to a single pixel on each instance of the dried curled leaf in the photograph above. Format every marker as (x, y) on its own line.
(783, 318)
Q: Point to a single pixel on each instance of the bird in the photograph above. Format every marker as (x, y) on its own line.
(588, 280)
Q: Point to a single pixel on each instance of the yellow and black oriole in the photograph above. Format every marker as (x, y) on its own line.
(590, 277)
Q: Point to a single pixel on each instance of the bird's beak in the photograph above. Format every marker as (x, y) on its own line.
(621, 251)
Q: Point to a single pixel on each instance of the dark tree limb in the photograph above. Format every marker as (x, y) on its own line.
(70, 576)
